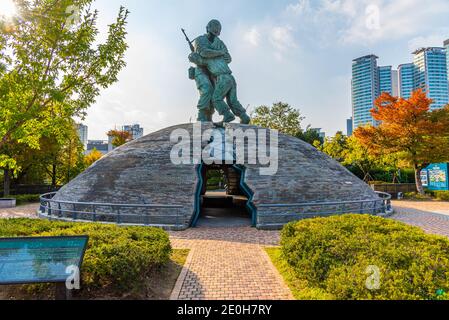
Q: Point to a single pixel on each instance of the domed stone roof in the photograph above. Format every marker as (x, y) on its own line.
(307, 183)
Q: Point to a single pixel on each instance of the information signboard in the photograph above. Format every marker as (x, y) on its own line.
(438, 176)
(40, 259)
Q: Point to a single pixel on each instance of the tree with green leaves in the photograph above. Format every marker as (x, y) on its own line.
(281, 116)
(311, 136)
(52, 68)
(57, 161)
(336, 147)
(358, 155)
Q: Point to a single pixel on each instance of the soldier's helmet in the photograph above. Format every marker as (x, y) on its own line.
(214, 27)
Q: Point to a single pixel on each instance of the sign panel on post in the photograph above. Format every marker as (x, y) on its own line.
(425, 178)
(438, 176)
(40, 260)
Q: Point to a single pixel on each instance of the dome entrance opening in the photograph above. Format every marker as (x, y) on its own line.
(223, 202)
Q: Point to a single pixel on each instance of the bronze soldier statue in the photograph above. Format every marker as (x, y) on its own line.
(214, 78)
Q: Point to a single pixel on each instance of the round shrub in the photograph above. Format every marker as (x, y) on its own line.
(442, 195)
(341, 255)
(117, 258)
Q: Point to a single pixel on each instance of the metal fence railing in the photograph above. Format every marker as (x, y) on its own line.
(153, 215)
(277, 214)
(172, 216)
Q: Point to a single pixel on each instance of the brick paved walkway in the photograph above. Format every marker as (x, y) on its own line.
(228, 264)
(26, 211)
(432, 216)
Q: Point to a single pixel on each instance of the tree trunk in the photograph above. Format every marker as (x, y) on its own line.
(6, 182)
(419, 185)
(53, 176)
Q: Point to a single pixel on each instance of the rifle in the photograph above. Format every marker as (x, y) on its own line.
(188, 40)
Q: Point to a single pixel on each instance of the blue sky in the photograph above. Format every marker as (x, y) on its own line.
(296, 51)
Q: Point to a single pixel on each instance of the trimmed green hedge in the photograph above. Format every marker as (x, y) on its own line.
(441, 195)
(117, 258)
(430, 195)
(331, 259)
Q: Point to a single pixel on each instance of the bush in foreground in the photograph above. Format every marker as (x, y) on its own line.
(430, 195)
(441, 195)
(117, 258)
(334, 258)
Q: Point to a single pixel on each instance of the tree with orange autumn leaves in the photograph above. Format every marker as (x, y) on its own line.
(119, 138)
(409, 129)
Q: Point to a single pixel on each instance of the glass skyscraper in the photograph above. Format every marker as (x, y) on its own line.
(406, 82)
(446, 46)
(430, 75)
(349, 126)
(386, 79)
(365, 89)
(368, 82)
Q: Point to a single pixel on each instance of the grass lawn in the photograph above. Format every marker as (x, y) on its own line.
(158, 286)
(285, 270)
(297, 286)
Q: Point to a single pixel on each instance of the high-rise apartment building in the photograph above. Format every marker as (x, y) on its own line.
(368, 82)
(349, 126)
(395, 83)
(365, 88)
(446, 46)
(406, 82)
(430, 75)
(82, 133)
(135, 130)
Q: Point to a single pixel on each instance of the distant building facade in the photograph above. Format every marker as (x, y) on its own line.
(386, 79)
(431, 75)
(102, 146)
(369, 81)
(135, 130)
(365, 88)
(395, 83)
(406, 83)
(83, 131)
(349, 127)
(446, 46)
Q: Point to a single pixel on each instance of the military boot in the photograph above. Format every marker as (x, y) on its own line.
(228, 117)
(245, 119)
(202, 117)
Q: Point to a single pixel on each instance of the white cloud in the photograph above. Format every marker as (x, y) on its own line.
(299, 7)
(367, 21)
(282, 38)
(253, 37)
(275, 39)
(433, 40)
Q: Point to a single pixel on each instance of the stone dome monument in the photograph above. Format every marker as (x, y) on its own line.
(139, 184)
